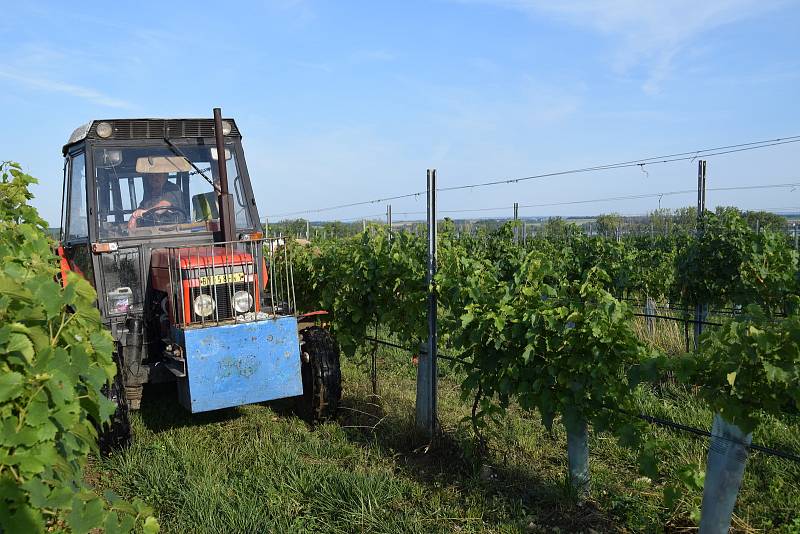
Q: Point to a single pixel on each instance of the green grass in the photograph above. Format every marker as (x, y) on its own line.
(260, 468)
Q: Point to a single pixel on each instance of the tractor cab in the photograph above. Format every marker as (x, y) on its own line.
(159, 216)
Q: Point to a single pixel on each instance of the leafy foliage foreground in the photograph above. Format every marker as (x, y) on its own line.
(55, 358)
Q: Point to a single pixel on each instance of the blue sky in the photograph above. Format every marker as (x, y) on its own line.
(344, 101)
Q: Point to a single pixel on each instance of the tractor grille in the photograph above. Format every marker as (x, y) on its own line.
(222, 295)
(261, 267)
(161, 128)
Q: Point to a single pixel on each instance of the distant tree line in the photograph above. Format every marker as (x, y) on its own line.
(658, 222)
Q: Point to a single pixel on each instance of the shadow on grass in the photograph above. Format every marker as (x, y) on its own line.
(161, 410)
(534, 502)
(157, 417)
(447, 461)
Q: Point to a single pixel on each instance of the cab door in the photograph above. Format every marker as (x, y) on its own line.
(75, 249)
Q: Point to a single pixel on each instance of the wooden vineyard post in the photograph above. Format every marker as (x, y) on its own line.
(427, 368)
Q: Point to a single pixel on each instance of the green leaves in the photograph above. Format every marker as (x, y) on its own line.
(363, 280)
(54, 359)
(14, 197)
(548, 327)
(729, 263)
(748, 366)
(150, 526)
(20, 343)
(536, 330)
(10, 386)
(85, 515)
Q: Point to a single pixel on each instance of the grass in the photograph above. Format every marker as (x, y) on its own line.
(663, 334)
(259, 468)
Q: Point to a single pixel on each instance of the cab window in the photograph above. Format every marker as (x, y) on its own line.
(153, 190)
(77, 220)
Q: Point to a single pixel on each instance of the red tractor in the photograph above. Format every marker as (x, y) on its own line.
(159, 215)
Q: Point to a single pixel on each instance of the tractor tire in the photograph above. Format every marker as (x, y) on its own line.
(116, 434)
(322, 377)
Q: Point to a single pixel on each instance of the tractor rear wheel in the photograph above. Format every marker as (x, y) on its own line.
(322, 377)
(116, 434)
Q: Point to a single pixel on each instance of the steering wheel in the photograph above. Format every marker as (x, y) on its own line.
(159, 215)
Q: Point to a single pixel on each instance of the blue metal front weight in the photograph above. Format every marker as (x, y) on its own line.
(242, 363)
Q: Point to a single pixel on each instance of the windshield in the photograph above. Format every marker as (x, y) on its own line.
(154, 190)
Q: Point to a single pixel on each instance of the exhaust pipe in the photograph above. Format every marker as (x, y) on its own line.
(226, 220)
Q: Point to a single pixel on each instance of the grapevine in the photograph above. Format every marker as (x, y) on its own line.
(56, 357)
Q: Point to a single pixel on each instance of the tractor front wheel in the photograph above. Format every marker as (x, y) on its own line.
(322, 377)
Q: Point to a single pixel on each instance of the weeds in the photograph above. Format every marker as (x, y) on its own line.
(260, 468)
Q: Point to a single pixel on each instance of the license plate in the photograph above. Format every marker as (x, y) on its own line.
(228, 278)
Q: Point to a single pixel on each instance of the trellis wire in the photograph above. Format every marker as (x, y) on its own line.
(658, 421)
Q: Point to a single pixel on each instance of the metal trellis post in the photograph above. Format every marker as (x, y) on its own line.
(516, 218)
(426, 370)
(389, 219)
(701, 310)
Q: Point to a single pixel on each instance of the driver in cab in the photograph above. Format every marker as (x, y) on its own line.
(161, 193)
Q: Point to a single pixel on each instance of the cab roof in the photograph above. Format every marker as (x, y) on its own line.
(127, 129)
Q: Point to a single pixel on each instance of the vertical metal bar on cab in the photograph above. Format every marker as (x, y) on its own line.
(253, 247)
(294, 296)
(278, 278)
(230, 286)
(272, 279)
(180, 298)
(253, 275)
(171, 285)
(247, 269)
(214, 281)
(179, 273)
(200, 288)
(286, 268)
(245, 273)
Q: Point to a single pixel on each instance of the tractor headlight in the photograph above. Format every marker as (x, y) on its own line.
(104, 130)
(242, 301)
(204, 305)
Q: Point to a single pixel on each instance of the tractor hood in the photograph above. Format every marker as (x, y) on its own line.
(194, 263)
